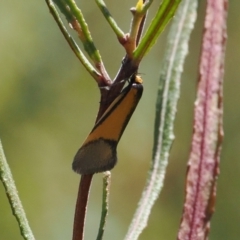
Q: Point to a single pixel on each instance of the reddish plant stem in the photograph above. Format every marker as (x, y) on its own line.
(203, 166)
(81, 207)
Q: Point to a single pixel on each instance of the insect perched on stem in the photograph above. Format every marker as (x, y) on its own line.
(99, 151)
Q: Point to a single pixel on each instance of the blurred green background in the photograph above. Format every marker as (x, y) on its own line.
(48, 105)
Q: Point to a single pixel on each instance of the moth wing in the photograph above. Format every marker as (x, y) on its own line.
(95, 156)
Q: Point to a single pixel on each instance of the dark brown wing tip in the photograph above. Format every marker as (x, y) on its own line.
(85, 171)
(96, 156)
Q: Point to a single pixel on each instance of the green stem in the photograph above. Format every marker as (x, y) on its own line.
(76, 20)
(147, 4)
(168, 94)
(86, 37)
(12, 194)
(102, 6)
(165, 12)
(95, 74)
(105, 196)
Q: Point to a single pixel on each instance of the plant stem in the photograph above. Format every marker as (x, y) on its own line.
(204, 159)
(96, 75)
(14, 200)
(77, 22)
(81, 207)
(84, 33)
(165, 12)
(168, 94)
(105, 196)
(119, 33)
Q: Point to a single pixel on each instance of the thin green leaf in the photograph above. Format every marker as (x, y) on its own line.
(71, 41)
(168, 94)
(105, 200)
(165, 12)
(102, 6)
(14, 200)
